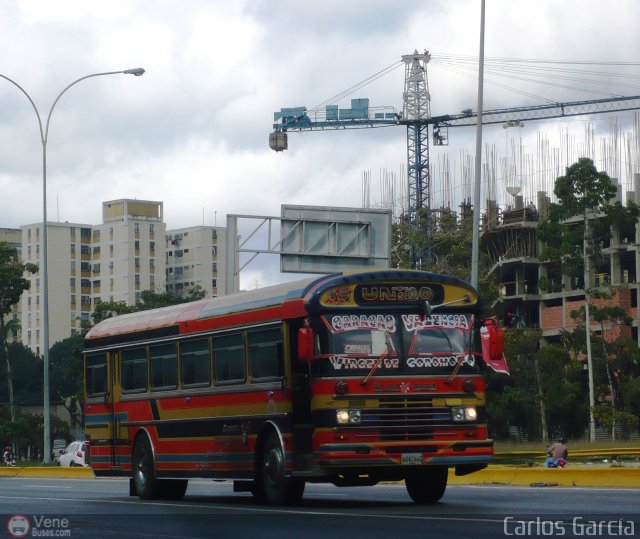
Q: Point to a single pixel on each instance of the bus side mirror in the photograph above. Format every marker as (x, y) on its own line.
(492, 339)
(306, 343)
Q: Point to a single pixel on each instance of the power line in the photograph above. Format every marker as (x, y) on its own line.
(545, 72)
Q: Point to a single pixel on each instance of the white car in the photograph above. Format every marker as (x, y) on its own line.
(74, 454)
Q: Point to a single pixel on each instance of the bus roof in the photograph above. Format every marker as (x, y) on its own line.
(298, 294)
(173, 315)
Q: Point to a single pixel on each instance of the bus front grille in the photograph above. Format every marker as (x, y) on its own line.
(403, 418)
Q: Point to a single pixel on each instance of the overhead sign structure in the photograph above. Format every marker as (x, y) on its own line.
(315, 239)
(318, 239)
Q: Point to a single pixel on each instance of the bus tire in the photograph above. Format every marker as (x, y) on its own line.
(427, 485)
(172, 489)
(146, 485)
(273, 486)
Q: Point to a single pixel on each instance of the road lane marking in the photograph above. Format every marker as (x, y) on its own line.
(46, 486)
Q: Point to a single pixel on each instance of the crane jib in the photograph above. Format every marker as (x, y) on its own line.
(541, 112)
(416, 116)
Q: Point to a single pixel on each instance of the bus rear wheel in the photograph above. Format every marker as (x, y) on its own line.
(427, 485)
(146, 485)
(273, 486)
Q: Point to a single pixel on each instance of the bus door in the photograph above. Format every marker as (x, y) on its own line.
(301, 397)
(109, 401)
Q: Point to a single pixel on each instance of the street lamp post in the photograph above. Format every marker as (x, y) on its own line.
(44, 137)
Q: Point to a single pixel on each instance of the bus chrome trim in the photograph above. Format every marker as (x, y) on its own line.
(201, 419)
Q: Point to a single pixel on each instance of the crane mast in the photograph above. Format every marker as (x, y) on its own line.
(416, 113)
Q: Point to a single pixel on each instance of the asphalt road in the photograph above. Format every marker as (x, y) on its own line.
(102, 508)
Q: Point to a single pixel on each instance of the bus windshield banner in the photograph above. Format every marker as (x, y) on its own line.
(401, 343)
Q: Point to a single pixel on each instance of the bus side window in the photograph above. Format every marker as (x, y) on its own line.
(163, 360)
(134, 369)
(96, 374)
(228, 358)
(195, 363)
(265, 354)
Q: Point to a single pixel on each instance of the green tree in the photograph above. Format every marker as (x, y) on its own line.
(27, 432)
(510, 404)
(543, 396)
(153, 300)
(27, 376)
(450, 253)
(581, 191)
(616, 363)
(148, 300)
(12, 285)
(573, 240)
(65, 360)
(106, 309)
(66, 365)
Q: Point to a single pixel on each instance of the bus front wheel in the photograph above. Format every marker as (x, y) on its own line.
(427, 485)
(144, 476)
(273, 485)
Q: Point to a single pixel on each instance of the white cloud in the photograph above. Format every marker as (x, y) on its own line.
(193, 130)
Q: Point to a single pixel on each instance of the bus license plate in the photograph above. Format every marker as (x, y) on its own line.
(411, 458)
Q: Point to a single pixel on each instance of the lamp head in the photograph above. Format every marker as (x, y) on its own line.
(136, 72)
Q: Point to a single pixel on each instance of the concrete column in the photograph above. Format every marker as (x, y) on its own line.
(520, 281)
(543, 205)
(615, 273)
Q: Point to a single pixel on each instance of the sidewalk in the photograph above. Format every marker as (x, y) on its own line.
(580, 475)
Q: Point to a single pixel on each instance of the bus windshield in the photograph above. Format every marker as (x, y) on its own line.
(397, 343)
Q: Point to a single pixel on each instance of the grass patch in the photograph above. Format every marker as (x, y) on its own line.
(509, 447)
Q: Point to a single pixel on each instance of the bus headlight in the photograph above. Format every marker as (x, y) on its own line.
(348, 417)
(460, 414)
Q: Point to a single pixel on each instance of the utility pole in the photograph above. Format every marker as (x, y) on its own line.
(475, 239)
(587, 325)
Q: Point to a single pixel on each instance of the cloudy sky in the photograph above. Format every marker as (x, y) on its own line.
(192, 132)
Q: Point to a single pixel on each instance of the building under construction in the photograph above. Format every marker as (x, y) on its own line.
(518, 189)
(534, 293)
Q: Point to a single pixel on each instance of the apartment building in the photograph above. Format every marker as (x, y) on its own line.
(195, 257)
(12, 236)
(87, 264)
(129, 252)
(69, 271)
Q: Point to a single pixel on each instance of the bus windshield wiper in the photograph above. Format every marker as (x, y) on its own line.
(426, 308)
(387, 353)
(467, 351)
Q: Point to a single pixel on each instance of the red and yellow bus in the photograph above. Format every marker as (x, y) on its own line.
(347, 378)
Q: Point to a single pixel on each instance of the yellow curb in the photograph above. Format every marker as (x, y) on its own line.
(503, 475)
(47, 472)
(566, 477)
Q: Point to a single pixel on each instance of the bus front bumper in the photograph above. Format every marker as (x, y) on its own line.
(455, 453)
